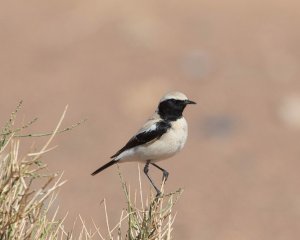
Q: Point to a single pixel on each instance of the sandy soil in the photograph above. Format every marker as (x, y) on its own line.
(112, 60)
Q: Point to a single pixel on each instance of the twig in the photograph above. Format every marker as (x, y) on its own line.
(106, 217)
(12, 118)
(19, 129)
(50, 133)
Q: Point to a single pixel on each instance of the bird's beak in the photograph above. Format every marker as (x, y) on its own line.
(189, 102)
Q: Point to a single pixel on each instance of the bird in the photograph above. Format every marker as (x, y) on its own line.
(162, 136)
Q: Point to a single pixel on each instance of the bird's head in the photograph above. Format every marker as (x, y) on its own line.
(172, 105)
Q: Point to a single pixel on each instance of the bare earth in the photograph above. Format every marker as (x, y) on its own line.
(111, 61)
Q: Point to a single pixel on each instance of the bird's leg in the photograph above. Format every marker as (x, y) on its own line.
(165, 173)
(146, 170)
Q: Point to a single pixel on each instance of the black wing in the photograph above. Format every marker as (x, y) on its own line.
(146, 136)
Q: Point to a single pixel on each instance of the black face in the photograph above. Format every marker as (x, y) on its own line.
(171, 109)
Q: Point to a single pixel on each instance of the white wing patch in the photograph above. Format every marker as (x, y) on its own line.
(151, 128)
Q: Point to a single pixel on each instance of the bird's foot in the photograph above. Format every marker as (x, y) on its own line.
(165, 176)
(159, 194)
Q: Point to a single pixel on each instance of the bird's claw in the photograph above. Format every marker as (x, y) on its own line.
(165, 176)
(159, 194)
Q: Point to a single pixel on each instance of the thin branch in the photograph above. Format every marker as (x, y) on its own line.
(50, 133)
(12, 117)
(19, 129)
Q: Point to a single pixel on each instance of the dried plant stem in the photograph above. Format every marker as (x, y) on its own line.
(25, 210)
(51, 133)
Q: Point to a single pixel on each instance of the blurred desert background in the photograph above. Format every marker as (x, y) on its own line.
(111, 61)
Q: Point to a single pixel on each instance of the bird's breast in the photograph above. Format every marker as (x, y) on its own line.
(168, 144)
(178, 133)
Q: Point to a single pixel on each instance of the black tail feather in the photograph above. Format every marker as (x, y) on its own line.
(112, 162)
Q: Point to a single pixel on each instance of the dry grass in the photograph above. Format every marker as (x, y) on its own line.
(154, 219)
(28, 193)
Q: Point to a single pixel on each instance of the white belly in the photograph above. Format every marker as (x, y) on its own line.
(168, 145)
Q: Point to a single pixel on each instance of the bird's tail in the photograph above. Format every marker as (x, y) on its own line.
(112, 162)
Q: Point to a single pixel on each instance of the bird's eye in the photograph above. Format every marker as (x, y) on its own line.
(176, 101)
(172, 101)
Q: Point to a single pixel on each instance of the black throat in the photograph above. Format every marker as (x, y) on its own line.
(171, 109)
